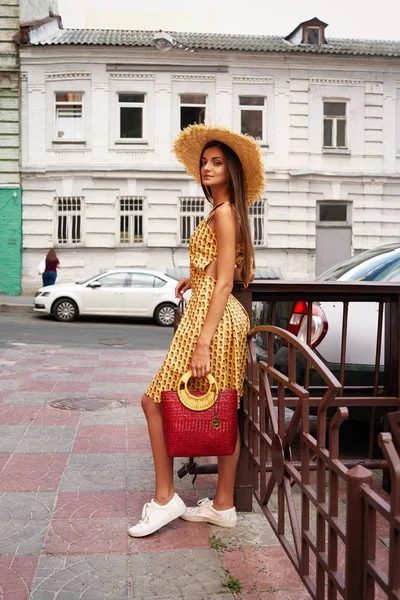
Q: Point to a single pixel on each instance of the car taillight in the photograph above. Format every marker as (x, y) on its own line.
(299, 321)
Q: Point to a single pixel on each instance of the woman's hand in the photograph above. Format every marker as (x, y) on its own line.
(200, 363)
(183, 286)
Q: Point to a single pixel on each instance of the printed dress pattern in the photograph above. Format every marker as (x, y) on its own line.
(229, 344)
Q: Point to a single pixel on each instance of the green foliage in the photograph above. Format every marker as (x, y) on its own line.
(216, 543)
(231, 583)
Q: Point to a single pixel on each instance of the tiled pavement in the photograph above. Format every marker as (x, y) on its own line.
(72, 481)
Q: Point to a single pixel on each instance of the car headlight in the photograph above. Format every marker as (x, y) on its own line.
(45, 294)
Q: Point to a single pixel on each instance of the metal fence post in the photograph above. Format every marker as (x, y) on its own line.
(243, 483)
(355, 532)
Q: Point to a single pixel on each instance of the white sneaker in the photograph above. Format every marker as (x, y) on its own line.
(155, 516)
(205, 512)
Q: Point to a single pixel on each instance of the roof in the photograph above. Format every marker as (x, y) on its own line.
(223, 42)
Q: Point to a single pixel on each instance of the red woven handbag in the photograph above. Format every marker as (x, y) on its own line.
(197, 424)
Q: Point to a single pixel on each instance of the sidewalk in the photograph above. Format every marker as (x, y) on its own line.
(71, 481)
(16, 303)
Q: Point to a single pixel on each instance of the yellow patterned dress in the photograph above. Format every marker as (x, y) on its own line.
(229, 344)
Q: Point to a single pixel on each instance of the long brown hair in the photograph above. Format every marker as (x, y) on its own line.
(237, 198)
(51, 255)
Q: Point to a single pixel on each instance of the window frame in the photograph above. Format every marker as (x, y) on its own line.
(340, 224)
(192, 105)
(143, 106)
(252, 107)
(334, 120)
(259, 205)
(194, 215)
(307, 28)
(131, 214)
(69, 243)
(57, 139)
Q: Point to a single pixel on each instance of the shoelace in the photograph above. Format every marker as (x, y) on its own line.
(145, 513)
(204, 502)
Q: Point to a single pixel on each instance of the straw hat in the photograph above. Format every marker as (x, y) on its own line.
(190, 142)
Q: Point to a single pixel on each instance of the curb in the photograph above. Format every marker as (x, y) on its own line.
(16, 308)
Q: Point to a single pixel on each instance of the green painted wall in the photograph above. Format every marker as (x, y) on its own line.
(10, 241)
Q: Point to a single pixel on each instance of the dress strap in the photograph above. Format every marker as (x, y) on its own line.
(210, 214)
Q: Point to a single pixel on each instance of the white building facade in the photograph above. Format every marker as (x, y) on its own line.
(100, 111)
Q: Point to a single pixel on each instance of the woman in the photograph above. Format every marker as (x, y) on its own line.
(212, 333)
(50, 272)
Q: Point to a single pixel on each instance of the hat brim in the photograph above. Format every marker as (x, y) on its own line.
(189, 145)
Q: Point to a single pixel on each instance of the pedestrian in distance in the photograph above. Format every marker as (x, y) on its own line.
(212, 334)
(52, 263)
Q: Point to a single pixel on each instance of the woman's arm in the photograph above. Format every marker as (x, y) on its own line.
(225, 231)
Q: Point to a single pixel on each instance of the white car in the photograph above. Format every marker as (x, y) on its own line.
(120, 292)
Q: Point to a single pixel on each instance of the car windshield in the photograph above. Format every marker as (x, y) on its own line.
(380, 264)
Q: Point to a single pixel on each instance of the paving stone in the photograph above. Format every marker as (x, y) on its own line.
(135, 416)
(37, 386)
(140, 475)
(16, 576)
(47, 438)
(10, 436)
(32, 472)
(91, 472)
(21, 536)
(86, 577)
(138, 439)
(11, 414)
(48, 415)
(71, 387)
(252, 530)
(26, 505)
(100, 438)
(10, 384)
(89, 505)
(87, 536)
(115, 416)
(262, 570)
(178, 574)
(32, 398)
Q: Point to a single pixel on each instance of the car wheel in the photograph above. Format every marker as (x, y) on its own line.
(165, 315)
(65, 310)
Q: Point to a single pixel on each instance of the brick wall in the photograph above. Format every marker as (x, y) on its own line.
(10, 241)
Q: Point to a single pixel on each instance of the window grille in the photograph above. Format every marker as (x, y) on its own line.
(257, 222)
(131, 219)
(69, 116)
(69, 219)
(335, 125)
(253, 119)
(191, 214)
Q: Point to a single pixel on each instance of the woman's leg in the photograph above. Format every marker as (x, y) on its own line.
(163, 464)
(226, 479)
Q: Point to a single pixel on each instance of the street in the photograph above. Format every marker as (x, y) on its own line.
(91, 332)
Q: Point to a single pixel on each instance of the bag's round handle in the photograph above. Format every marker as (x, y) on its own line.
(197, 402)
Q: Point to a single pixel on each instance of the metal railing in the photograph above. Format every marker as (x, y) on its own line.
(323, 505)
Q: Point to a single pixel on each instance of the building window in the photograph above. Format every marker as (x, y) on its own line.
(131, 109)
(191, 213)
(193, 109)
(69, 220)
(329, 212)
(313, 35)
(335, 125)
(69, 116)
(252, 116)
(131, 219)
(257, 222)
